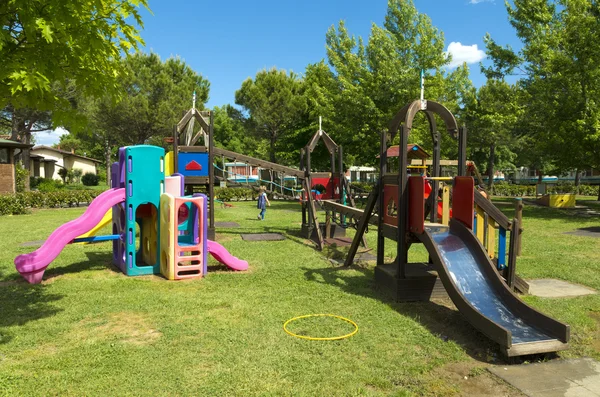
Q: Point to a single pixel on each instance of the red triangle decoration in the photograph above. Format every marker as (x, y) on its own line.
(193, 166)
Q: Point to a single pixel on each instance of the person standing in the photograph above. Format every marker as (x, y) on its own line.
(263, 202)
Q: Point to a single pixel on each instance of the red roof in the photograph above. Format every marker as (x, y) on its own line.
(414, 151)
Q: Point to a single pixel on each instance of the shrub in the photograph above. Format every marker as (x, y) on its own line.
(77, 172)
(20, 178)
(63, 173)
(17, 204)
(589, 190)
(90, 179)
(510, 190)
(362, 187)
(48, 185)
(11, 205)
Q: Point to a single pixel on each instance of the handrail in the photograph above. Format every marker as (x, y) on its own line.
(492, 211)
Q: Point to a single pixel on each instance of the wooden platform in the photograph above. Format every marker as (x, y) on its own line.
(421, 282)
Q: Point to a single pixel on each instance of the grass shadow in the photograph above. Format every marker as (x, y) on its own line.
(22, 303)
(439, 316)
(95, 261)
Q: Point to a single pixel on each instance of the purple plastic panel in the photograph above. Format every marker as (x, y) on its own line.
(204, 230)
(114, 175)
(182, 190)
(122, 166)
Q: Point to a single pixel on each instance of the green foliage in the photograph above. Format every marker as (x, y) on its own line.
(90, 179)
(44, 44)
(367, 84)
(232, 131)
(64, 174)
(235, 194)
(21, 175)
(12, 204)
(157, 95)
(15, 204)
(559, 63)
(504, 189)
(48, 185)
(491, 119)
(362, 187)
(275, 104)
(77, 172)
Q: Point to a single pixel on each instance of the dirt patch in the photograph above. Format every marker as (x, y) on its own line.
(473, 380)
(125, 327)
(221, 237)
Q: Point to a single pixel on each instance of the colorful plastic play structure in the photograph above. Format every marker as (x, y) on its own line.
(155, 228)
(466, 260)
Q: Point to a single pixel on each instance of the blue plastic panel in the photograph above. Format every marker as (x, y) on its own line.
(192, 164)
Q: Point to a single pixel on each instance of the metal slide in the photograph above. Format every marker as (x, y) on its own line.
(480, 294)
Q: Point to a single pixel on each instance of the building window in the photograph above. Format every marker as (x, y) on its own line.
(4, 158)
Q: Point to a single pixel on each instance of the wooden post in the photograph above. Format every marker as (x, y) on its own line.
(480, 223)
(512, 254)
(380, 195)
(446, 205)
(327, 224)
(462, 151)
(433, 216)
(519, 217)
(491, 238)
(402, 250)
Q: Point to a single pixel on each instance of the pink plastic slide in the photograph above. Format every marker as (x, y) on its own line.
(32, 265)
(222, 255)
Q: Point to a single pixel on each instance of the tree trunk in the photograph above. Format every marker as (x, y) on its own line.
(577, 180)
(19, 130)
(272, 147)
(108, 162)
(491, 166)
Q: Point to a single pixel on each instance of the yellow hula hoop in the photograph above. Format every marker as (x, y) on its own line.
(316, 338)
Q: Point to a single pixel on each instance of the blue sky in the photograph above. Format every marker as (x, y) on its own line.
(229, 41)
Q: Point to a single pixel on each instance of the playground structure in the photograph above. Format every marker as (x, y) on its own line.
(155, 229)
(192, 161)
(465, 258)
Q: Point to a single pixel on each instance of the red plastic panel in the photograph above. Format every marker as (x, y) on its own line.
(390, 201)
(463, 202)
(416, 204)
(332, 190)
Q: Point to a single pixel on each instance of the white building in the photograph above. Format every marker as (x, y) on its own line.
(46, 161)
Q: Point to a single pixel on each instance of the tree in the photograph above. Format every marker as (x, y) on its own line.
(52, 41)
(492, 121)
(157, 95)
(274, 102)
(48, 47)
(560, 65)
(233, 131)
(367, 84)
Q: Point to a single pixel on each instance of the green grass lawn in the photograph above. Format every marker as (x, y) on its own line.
(90, 330)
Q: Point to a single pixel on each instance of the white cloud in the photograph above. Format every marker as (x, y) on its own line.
(480, 1)
(49, 137)
(464, 53)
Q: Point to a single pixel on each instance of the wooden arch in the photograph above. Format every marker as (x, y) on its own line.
(408, 113)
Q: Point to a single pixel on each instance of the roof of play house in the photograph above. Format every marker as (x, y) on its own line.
(413, 151)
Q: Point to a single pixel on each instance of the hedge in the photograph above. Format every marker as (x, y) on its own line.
(17, 204)
(235, 194)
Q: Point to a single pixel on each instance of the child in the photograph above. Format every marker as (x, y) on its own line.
(262, 203)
